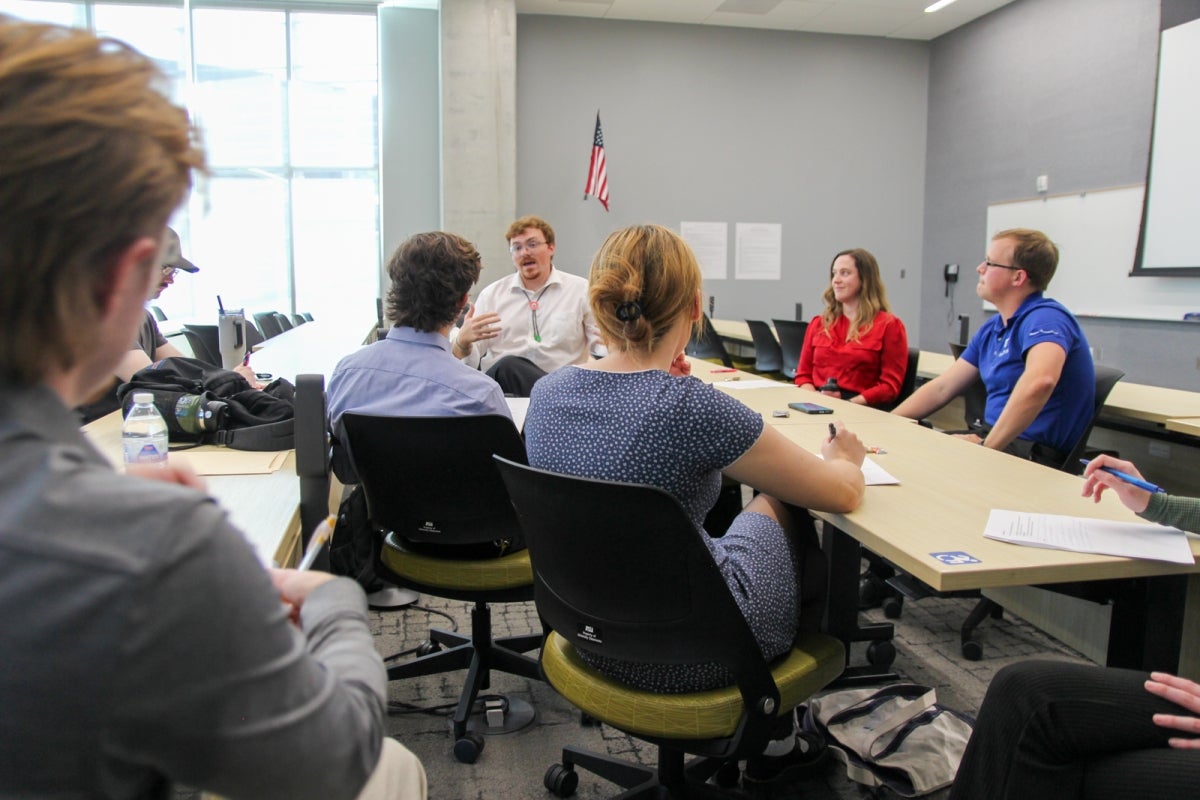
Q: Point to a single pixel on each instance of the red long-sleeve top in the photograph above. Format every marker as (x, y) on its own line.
(873, 366)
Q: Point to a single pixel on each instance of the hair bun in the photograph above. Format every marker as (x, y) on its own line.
(630, 311)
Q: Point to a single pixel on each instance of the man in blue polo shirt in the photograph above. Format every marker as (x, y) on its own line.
(1032, 357)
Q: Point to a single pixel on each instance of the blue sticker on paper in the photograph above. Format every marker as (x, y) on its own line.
(955, 558)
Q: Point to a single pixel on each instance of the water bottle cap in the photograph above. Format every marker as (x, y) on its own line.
(143, 398)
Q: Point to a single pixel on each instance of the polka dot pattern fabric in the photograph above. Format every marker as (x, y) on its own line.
(677, 434)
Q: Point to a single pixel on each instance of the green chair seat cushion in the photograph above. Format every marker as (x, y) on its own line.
(815, 661)
(510, 571)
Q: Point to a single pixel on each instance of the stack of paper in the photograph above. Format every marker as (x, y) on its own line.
(1081, 535)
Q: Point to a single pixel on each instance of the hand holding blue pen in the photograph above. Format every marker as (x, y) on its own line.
(1133, 491)
(1125, 476)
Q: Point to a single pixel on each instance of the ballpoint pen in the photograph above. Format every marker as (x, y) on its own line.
(1130, 479)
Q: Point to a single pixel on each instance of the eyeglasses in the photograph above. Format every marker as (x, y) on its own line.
(987, 263)
(528, 247)
(168, 271)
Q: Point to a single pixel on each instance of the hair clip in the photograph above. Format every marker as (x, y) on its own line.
(628, 312)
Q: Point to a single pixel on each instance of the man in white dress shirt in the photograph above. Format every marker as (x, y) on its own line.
(531, 322)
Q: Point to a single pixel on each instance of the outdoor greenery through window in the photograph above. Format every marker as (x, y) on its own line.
(287, 102)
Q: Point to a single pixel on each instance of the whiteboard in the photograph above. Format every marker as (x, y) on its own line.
(1097, 234)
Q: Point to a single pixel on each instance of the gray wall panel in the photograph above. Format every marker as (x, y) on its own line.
(822, 134)
(1063, 88)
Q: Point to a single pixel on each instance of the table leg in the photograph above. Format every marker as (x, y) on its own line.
(841, 614)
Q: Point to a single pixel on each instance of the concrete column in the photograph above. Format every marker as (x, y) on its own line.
(479, 131)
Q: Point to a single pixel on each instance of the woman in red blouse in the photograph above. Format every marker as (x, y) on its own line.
(856, 341)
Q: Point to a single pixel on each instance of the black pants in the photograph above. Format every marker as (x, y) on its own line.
(516, 375)
(1063, 731)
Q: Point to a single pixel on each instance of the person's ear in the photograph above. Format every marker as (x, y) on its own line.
(697, 306)
(132, 274)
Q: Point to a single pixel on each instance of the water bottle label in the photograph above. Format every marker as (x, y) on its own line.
(143, 452)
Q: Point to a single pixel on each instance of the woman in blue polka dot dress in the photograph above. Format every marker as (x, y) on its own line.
(637, 416)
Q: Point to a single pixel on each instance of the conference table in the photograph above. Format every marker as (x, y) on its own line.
(931, 524)
(1128, 403)
(264, 506)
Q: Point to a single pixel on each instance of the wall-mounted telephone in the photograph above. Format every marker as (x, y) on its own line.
(950, 273)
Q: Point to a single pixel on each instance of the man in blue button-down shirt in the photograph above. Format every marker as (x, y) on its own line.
(412, 372)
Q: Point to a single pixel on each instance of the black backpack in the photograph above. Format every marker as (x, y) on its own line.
(203, 404)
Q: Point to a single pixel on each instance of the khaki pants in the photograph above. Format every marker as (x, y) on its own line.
(398, 775)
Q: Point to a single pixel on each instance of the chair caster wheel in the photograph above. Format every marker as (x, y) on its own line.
(881, 653)
(870, 590)
(428, 647)
(728, 775)
(468, 748)
(892, 607)
(972, 650)
(561, 781)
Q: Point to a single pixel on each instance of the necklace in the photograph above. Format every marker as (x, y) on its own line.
(534, 305)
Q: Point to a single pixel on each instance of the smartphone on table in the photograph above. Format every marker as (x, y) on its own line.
(810, 408)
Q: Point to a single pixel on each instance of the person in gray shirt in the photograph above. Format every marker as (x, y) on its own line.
(142, 643)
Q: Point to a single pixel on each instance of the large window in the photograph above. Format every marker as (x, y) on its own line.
(287, 102)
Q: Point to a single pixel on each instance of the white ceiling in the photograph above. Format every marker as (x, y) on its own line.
(900, 19)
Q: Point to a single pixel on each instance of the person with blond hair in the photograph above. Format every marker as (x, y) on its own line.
(637, 416)
(856, 342)
(144, 644)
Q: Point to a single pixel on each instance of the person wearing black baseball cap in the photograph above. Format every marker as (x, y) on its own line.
(149, 345)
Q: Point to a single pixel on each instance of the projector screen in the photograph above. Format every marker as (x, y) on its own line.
(1169, 242)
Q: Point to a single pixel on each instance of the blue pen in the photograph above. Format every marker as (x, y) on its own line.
(1138, 482)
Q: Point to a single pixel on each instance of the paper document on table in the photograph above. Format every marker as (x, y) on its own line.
(230, 462)
(875, 475)
(1080, 535)
(518, 407)
(761, 383)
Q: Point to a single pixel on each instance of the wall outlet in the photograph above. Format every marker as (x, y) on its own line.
(1043, 183)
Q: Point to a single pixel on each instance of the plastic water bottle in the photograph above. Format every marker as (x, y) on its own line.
(144, 433)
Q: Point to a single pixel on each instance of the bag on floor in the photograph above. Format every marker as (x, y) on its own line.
(897, 736)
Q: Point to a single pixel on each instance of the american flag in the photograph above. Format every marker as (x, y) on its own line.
(597, 180)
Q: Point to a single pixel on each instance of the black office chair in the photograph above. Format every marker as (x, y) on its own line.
(791, 342)
(768, 357)
(909, 384)
(972, 649)
(633, 580)
(298, 320)
(312, 457)
(706, 344)
(254, 336)
(975, 397)
(268, 324)
(430, 482)
(199, 346)
(285, 324)
(307, 316)
(211, 338)
(158, 313)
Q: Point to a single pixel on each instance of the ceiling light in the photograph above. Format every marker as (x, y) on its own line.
(938, 6)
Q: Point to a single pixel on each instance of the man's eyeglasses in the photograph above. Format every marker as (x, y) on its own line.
(528, 247)
(987, 263)
(168, 271)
